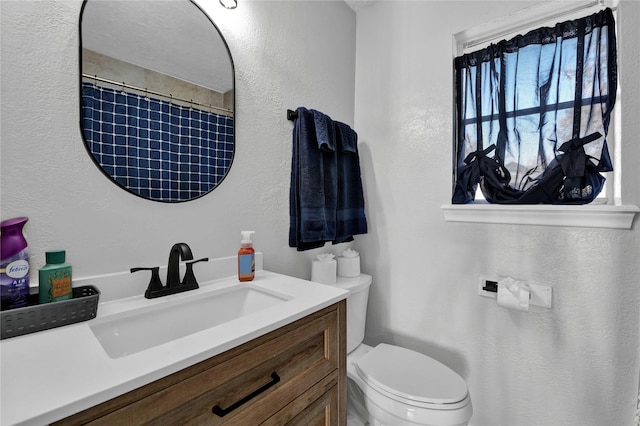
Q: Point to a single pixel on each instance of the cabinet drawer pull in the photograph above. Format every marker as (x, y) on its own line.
(221, 412)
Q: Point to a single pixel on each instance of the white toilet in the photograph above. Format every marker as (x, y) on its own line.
(390, 385)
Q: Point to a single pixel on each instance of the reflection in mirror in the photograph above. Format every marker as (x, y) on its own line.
(157, 97)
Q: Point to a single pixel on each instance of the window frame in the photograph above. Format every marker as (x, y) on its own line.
(604, 212)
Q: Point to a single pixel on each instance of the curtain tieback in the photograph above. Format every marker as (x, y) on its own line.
(574, 160)
(481, 166)
(479, 154)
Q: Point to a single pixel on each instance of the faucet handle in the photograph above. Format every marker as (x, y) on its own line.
(189, 276)
(155, 284)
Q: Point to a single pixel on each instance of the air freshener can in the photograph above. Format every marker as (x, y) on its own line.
(14, 264)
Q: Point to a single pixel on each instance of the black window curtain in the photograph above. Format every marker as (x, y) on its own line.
(532, 115)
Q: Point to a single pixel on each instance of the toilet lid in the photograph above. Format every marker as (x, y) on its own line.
(410, 375)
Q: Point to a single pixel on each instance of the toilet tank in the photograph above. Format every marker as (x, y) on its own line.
(356, 307)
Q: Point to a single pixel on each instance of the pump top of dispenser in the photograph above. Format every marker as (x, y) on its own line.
(246, 238)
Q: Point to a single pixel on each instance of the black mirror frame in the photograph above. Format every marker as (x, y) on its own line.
(86, 145)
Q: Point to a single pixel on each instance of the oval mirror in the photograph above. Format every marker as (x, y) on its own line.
(157, 97)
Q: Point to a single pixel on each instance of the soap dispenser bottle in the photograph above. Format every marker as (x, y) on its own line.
(246, 258)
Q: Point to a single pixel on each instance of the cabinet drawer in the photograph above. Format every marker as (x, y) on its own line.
(240, 382)
(317, 406)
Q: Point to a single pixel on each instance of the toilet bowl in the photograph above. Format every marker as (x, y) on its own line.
(390, 385)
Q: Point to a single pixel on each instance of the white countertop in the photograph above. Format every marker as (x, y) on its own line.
(49, 375)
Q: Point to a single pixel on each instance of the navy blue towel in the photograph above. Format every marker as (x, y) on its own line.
(326, 196)
(350, 217)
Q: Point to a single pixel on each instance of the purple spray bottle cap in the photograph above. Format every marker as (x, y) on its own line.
(11, 240)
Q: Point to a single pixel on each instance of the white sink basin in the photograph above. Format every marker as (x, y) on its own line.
(172, 317)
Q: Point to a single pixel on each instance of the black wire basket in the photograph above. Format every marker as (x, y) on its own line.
(34, 317)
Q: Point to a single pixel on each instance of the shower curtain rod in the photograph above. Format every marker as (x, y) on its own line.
(124, 85)
(539, 20)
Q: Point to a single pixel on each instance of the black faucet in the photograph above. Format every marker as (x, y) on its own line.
(179, 251)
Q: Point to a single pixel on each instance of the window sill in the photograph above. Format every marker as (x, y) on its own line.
(589, 216)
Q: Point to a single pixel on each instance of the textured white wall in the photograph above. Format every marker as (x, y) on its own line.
(286, 55)
(576, 364)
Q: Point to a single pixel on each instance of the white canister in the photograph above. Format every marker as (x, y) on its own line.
(349, 267)
(324, 271)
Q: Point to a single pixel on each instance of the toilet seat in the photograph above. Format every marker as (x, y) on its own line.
(412, 378)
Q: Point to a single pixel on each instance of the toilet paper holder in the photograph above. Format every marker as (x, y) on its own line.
(490, 286)
(540, 295)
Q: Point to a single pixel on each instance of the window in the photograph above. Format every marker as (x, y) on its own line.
(533, 113)
(608, 212)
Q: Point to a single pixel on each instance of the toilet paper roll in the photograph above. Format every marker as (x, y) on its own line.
(513, 294)
(324, 271)
(349, 267)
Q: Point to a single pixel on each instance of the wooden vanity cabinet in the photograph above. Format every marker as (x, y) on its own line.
(294, 375)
